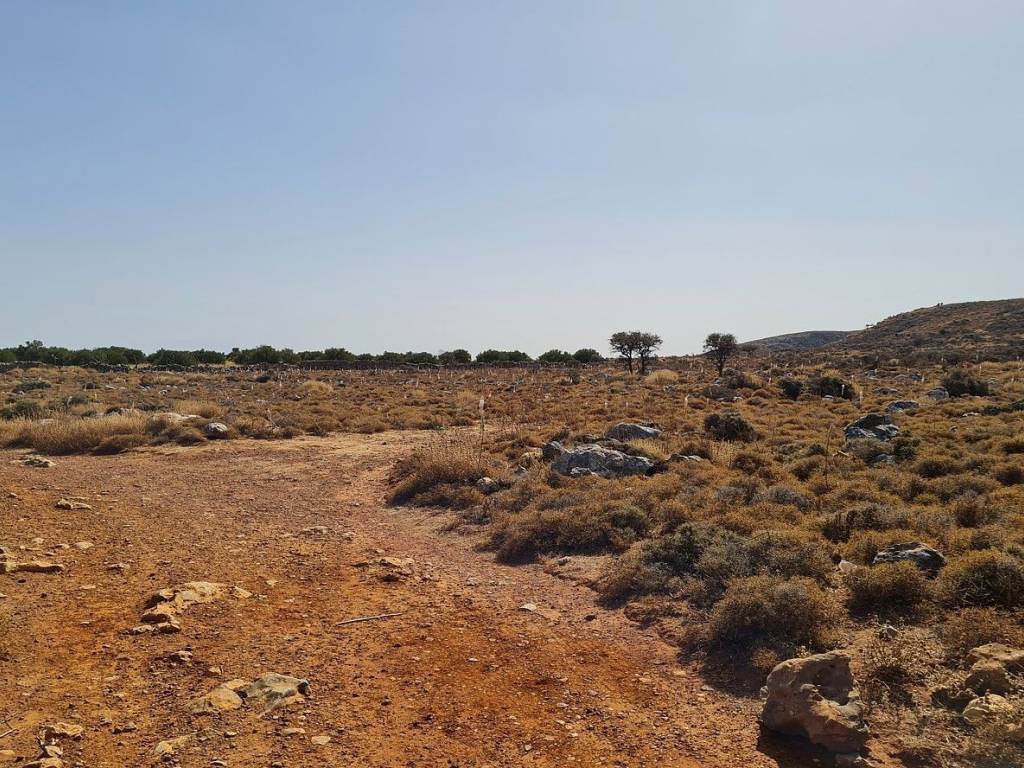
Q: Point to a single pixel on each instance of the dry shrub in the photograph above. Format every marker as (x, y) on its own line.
(313, 387)
(652, 449)
(120, 444)
(966, 629)
(441, 475)
(67, 436)
(729, 426)
(772, 612)
(864, 545)
(205, 408)
(887, 669)
(985, 577)
(521, 538)
(661, 377)
(369, 425)
(889, 589)
(12, 433)
(1010, 474)
(255, 427)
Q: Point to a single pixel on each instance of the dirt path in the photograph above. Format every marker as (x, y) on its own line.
(463, 677)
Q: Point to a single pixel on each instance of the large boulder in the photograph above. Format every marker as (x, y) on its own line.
(924, 557)
(595, 460)
(987, 708)
(626, 431)
(877, 426)
(816, 697)
(1011, 658)
(990, 677)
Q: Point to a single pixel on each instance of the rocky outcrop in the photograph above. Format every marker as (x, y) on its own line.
(873, 426)
(596, 460)
(924, 557)
(816, 697)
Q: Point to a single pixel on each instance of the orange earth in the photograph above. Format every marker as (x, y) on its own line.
(464, 676)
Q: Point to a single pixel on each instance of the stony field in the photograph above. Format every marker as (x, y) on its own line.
(585, 566)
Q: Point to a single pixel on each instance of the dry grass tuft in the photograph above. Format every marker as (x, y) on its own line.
(67, 436)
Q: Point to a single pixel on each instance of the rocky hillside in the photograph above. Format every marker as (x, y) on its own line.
(983, 330)
(795, 342)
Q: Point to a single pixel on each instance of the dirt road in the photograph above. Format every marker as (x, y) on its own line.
(463, 677)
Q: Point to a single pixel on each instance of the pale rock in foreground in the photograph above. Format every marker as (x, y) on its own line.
(273, 690)
(816, 697)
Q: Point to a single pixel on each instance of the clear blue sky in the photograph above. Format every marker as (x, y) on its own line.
(428, 175)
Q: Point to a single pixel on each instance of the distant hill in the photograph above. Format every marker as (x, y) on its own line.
(984, 330)
(795, 342)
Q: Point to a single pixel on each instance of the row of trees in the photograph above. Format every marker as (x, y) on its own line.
(634, 349)
(37, 352)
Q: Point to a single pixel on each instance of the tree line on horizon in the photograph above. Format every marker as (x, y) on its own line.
(631, 347)
(37, 352)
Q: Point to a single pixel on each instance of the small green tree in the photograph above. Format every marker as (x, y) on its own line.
(555, 356)
(720, 347)
(639, 345)
(587, 355)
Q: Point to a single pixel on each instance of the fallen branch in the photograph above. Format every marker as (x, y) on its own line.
(378, 617)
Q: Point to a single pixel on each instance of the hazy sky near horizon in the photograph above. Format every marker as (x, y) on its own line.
(532, 174)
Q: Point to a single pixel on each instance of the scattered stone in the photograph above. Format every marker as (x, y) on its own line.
(82, 546)
(168, 747)
(531, 607)
(241, 594)
(882, 460)
(215, 429)
(220, 699)
(924, 557)
(293, 731)
(9, 565)
(72, 504)
(45, 762)
(816, 697)
(488, 485)
(625, 431)
(165, 606)
(898, 406)
(988, 676)
(315, 530)
(396, 568)
(939, 393)
(321, 741)
(54, 732)
(851, 760)
(37, 461)
(985, 708)
(272, 691)
(888, 632)
(873, 426)
(595, 460)
(846, 567)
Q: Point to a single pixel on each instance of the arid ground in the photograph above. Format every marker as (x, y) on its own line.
(464, 676)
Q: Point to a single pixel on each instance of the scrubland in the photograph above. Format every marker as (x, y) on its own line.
(751, 541)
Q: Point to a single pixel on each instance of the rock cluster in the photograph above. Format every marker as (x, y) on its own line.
(166, 605)
(873, 426)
